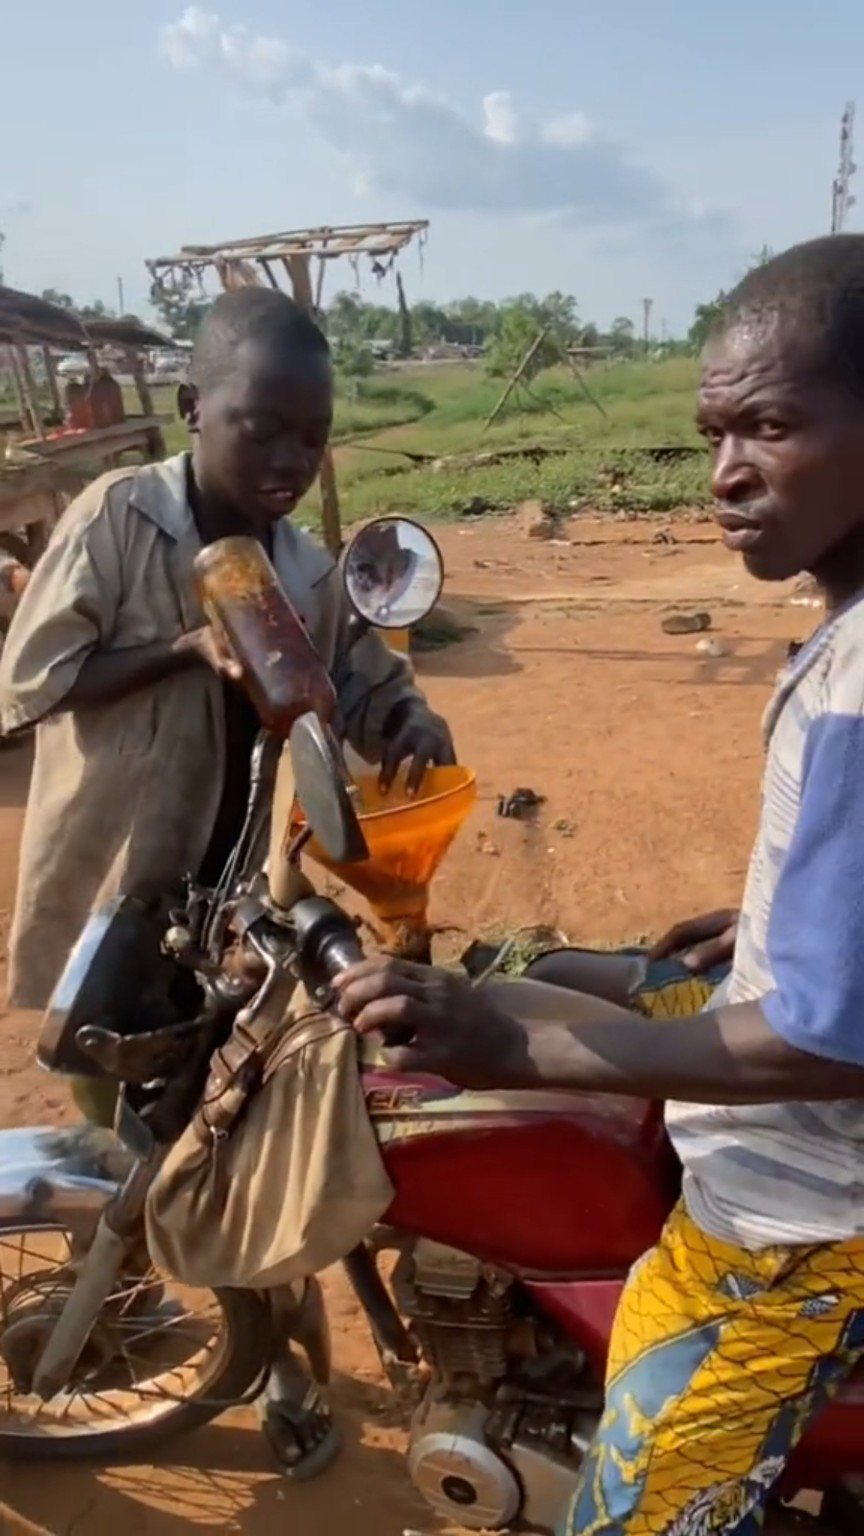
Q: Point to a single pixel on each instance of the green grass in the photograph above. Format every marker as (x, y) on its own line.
(440, 410)
(597, 459)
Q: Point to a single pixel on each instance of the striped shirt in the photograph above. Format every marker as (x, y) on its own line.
(764, 1174)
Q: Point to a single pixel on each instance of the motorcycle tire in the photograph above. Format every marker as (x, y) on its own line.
(247, 1356)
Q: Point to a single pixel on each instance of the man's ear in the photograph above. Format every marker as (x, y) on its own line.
(187, 405)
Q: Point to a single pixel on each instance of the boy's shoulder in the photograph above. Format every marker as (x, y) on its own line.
(157, 490)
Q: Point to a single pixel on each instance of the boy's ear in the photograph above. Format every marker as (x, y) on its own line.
(187, 405)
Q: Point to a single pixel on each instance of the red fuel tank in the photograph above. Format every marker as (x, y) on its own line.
(548, 1183)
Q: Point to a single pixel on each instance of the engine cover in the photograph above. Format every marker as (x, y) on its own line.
(459, 1474)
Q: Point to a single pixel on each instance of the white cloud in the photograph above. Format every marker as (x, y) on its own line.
(405, 139)
(500, 123)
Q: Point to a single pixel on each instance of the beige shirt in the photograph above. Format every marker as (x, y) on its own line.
(124, 796)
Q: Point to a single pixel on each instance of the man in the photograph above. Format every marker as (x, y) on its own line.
(750, 1310)
(143, 739)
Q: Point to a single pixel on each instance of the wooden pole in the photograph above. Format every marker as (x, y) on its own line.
(404, 319)
(523, 366)
(23, 413)
(53, 385)
(142, 388)
(28, 388)
(297, 268)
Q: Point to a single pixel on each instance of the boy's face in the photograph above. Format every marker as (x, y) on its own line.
(263, 429)
(788, 450)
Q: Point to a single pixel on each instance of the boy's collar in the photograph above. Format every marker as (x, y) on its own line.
(159, 491)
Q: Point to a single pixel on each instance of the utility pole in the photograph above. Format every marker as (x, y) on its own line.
(841, 199)
(647, 306)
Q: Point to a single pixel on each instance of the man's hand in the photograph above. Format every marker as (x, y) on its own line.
(700, 942)
(433, 1021)
(13, 577)
(206, 645)
(412, 730)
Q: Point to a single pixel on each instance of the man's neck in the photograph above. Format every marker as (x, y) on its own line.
(841, 574)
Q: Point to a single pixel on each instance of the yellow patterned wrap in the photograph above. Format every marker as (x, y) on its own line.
(719, 1359)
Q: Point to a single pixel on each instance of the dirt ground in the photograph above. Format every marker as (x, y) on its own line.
(647, 752)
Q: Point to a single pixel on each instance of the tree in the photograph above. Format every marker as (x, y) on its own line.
(520, 327)
(622, 334)
(54, 296)
(428, 322)
(706, 317)
(179, 313)
(98, 310)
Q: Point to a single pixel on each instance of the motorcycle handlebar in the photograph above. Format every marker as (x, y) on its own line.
(326, 938)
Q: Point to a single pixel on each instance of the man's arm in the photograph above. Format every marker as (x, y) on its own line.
(435, 1022)
(804, 1039)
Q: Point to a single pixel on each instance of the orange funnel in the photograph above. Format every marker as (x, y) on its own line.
(406, 838)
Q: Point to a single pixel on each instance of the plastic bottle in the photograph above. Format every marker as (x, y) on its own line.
(246, 603)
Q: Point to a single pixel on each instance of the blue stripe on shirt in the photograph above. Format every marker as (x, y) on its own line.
(816, 927)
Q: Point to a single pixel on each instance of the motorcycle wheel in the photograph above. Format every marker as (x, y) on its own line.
(161, 1358)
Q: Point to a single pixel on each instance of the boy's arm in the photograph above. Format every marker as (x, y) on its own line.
(57, 653)
(67, 610)
(384, 715)
(107, 675)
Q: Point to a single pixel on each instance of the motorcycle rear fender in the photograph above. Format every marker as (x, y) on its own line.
(59, 1176)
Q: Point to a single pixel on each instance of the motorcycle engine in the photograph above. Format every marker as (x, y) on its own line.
(502, 1430)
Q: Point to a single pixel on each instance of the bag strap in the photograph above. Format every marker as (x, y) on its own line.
(235, 1068)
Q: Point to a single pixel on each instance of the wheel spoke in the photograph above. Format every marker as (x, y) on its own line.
(172, 1356)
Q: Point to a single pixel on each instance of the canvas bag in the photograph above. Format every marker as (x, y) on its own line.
(279, 1173)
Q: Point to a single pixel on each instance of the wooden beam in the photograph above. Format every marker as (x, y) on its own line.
(142, 388)
(23, 413)
(297, 268)
(517, 375)
(28, 389)
(53, 385)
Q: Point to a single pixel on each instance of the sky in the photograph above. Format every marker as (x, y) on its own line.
(614, 151)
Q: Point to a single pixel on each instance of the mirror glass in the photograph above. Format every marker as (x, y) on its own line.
(393, 573)
(320, 787)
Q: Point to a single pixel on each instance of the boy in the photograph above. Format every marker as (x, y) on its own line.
(143, 740)
(732, 1332)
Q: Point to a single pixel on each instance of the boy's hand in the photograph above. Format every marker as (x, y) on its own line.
(700, 942)
(205, 645)
(415, 732)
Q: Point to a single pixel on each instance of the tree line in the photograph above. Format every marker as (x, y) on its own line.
(502, 332)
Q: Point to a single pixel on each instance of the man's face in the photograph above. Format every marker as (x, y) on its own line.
(262, 431)
(788, 451)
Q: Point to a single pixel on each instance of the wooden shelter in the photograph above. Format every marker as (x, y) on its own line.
(45, 461)
(294, 254)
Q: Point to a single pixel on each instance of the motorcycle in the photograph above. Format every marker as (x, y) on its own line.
(491, 1284)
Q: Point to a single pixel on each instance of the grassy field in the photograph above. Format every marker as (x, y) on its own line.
(567, 451)
(609, 462)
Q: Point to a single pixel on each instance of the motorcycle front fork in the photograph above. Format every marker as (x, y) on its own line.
(117, 1231)
(297, 1311)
